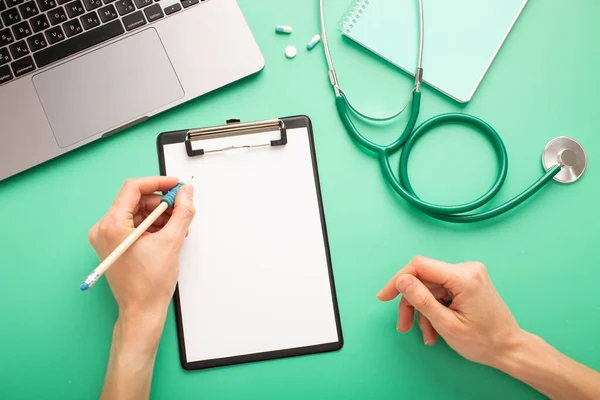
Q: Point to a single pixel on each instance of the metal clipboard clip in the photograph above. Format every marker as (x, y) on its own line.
(234, 128)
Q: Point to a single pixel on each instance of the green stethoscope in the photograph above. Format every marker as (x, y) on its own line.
(563, 159)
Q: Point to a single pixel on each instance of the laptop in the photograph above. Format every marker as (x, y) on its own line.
(74, 71)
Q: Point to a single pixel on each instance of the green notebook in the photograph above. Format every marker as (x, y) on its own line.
(462, 37)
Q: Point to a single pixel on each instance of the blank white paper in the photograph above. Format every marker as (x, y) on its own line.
(254, 275)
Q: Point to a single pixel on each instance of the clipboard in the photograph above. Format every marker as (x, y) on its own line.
(256, 280)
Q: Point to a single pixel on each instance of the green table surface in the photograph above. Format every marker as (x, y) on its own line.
(542, 256)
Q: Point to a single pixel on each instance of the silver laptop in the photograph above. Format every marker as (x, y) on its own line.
(73, 71)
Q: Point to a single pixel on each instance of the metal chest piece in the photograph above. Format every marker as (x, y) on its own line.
(569, 154)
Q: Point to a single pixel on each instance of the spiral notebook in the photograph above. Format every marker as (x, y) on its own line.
(462, 37)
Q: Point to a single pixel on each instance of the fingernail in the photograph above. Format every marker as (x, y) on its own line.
(189, 190)
(404, 284)
(379, 295)
(427, 342)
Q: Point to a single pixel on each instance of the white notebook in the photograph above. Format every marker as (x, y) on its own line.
(462, 37)
(256, 280)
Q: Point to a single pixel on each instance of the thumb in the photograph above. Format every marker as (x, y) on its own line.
(417, 294)
(183, 213)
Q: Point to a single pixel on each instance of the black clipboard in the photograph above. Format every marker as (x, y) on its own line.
(235, 127)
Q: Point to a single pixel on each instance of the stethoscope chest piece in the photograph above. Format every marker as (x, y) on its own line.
(569, 154)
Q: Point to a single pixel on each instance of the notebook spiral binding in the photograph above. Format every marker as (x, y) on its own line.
(353, 14)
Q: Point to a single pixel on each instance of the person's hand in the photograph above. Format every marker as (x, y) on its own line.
(477, 324)
(143, 279)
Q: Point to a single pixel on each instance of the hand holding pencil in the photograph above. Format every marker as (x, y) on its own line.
(145, 274)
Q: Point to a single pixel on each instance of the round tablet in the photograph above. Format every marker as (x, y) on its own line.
(290, 52)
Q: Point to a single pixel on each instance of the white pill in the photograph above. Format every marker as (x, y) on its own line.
(290, 52)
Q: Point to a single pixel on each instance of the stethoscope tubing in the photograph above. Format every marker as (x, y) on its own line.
(406, 141)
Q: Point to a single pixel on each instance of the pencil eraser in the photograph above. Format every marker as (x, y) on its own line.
(84, 286)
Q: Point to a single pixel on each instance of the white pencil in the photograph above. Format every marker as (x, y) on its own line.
(166, 202)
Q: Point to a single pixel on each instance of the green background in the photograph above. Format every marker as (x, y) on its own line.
(542, 256)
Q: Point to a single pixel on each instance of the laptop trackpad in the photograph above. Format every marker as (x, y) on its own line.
(107, 88)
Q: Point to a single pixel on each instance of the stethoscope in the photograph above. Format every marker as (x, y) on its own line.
(564, 159)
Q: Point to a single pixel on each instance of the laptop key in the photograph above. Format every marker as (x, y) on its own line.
(78, 43)
(54, 35)
(125, 6)
(187, 3)
(92, 4)
(18, 49)
(12, 3)
(36, 42)
(108, 1)
(28, 9)
(10, 17)
(21, 30)
(3, 5)
(5, 74)
(57, 16)
(46, 5)
(171, 9)
(107, 13)
(153, 12)
(89, 20)
(22, 66)
(74, 9)
(39, 23)
(134, 20)
(4, 56)
(6, 37)
(72, 28)
(142, 3)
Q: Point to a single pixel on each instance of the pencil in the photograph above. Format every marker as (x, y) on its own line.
(166, 202)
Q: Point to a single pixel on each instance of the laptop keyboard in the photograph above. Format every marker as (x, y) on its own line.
(36, 33)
